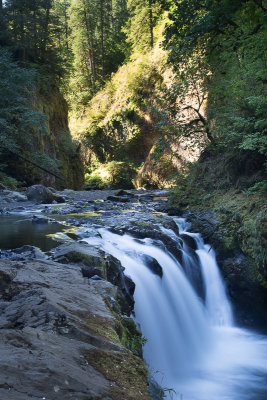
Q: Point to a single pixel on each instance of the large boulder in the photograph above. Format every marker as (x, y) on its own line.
(92, 263)
(59, 339)
(42, 194)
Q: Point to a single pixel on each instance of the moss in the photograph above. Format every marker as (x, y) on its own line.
(72, 235)
(106, 329)
(127, 374)
(143, 224)
(76, 257)
(240, 211)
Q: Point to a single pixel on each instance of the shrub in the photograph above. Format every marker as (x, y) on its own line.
(94, 182)
(115, 174)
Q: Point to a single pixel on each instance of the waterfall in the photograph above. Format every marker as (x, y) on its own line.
(192, 344)
(216, 301)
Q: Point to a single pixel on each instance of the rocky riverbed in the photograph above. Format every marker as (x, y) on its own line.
(65, 329)
(65, 326)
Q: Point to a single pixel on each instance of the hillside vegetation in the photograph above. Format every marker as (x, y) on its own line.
(151, 86)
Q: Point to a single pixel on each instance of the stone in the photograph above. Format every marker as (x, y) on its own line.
(122, 192)
(53, 329)
(10, 196)
(42, 194)
(116, 276)
(96, 278)
(173, 211)
(152, 264)
(39, 220)
(189, 241)
(120, 199)
(25, 252)
(82, 254)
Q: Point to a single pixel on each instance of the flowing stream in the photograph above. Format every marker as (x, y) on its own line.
(193, 346)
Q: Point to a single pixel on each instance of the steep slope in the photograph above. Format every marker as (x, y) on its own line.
(123, 123)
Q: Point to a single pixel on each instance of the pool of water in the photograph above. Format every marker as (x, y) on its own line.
(19, 230)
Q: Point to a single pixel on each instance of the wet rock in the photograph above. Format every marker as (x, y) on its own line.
(20, 208)
(52, 323)
(189, 241)
(145, 198)
(174, 211)
(141, 231)
(82, 254)
(206, 223)
(123, 193)
(248, 297)
(39, 220)
(42, 194)
(2, 187)
(152, 264)
(4, 211)
(126, 286)
(119, 199)
(10, 196)
(96, 278)
(90, 272)
(25, 252)
(160, 207)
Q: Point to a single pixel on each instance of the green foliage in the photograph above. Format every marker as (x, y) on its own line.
(219, 51)
(18, 119)
(94, 182)
(47, 162)
(8, 181)
(258, 187)
(158, 391)
(237, 198)
(97, 44)
(135, 343)
(144, 16)
(32, 30)
(114, 175)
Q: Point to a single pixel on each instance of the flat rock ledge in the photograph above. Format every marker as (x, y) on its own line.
(59, 338)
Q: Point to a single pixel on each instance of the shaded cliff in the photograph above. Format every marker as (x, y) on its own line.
(36, 144)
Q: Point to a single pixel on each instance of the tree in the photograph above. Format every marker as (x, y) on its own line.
(97, 42)
(18, 119)
(227, 38)
(144, 15)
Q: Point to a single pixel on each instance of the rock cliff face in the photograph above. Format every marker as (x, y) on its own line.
(52, 146)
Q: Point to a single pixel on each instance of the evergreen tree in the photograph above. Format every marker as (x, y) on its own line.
(97, 42)
(17, 116)
(140, 27)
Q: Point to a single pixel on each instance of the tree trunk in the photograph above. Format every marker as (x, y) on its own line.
(46, 23)
(22, 35)
(102, 37)
(90, 43)
(151, 24)
(66, 26)
(34, 32)
(111, 15)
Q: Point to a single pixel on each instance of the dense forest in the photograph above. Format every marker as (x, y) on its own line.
(151, 93)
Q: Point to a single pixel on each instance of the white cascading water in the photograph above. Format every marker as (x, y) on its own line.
(192, 346)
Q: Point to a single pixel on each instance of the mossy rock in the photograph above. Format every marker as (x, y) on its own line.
(126, 372)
